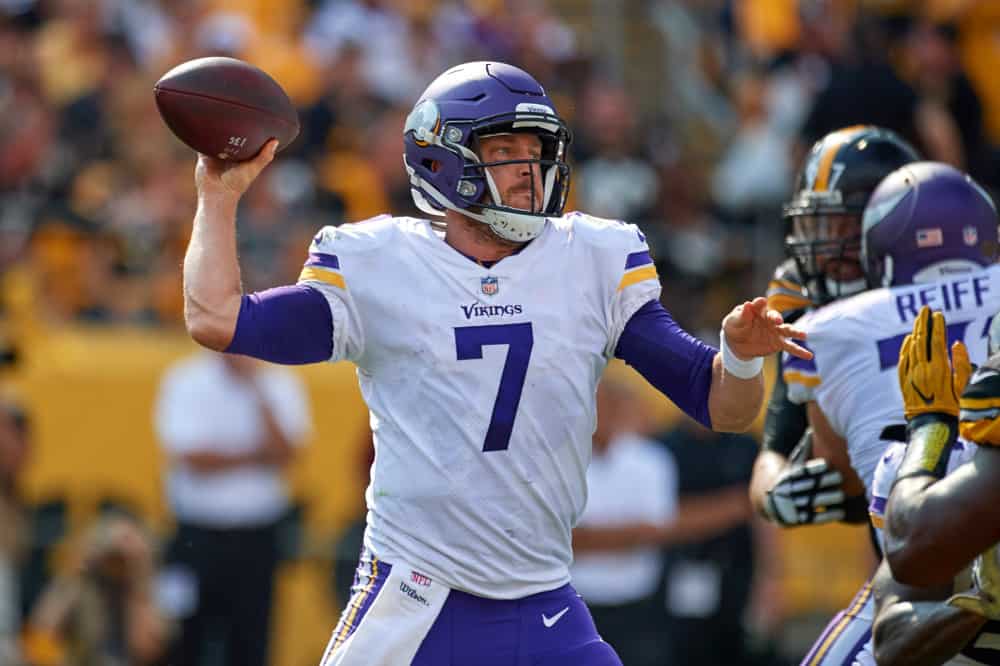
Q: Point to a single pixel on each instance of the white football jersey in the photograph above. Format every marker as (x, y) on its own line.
(856, 345)
(984, 648)
(887, 470)
(481, 387)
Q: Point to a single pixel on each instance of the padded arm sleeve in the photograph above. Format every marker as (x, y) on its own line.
(291, 325)
(678, 364)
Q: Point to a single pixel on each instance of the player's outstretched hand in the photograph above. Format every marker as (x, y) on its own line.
(752, 329)
(215, 177)
(929, 382)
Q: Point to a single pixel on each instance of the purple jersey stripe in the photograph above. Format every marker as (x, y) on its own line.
(637, 259)
(850, 660)
(838, 625)
(368, 581)
(888, 348)
(878, 505)
(825, 640)
(324, 260)
(789, 362)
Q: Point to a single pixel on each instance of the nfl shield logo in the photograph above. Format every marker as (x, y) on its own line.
(490, 285)
(970, 235)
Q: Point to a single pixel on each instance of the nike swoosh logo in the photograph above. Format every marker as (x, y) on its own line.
(549, 621)
(923, 397)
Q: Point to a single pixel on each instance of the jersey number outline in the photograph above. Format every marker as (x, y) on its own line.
(888, 348)
(469, 343)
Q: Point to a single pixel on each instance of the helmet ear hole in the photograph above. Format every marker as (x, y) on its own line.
(431, 165)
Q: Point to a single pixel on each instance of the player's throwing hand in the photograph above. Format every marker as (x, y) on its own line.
(227, 178)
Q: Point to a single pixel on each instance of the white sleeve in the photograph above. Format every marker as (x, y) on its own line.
(327, 271)
(882, 480)
(630, 273)
(802, 375)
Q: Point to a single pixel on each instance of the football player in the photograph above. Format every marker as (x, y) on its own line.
(479, 343)
(929, 625)
(928, 231)
(792, 484)
(935, 526)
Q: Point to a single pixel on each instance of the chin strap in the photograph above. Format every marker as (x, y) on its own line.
(512, 226)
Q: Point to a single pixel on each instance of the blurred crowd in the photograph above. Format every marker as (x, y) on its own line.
(690, 118)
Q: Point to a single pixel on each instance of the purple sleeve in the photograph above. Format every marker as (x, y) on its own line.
(290, 325)
(678, 364)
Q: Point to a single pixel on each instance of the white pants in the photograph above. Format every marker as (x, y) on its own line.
(391, 610)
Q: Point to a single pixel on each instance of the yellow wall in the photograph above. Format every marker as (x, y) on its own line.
(91, 394)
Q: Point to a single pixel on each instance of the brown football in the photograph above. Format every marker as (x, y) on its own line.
(225, 107)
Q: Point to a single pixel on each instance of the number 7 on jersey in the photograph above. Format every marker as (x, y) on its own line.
(469, 343)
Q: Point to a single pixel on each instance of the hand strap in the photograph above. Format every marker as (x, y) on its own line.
(930, 438)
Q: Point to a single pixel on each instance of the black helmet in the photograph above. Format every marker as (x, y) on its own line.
(823, 218)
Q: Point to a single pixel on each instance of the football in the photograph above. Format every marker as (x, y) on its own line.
(225, 107)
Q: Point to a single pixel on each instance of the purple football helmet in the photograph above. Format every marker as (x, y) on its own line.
(441, 140)
(926, 221)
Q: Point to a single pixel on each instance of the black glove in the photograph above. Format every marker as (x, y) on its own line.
(806, 493)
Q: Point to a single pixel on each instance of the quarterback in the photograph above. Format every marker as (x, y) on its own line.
(479, 336)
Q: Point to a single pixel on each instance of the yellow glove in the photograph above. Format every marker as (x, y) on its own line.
(984, 598)
(928, 381)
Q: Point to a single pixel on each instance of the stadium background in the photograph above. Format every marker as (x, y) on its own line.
(690, 116)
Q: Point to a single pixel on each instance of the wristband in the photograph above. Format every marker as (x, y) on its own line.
(734, 365)
(930, 438)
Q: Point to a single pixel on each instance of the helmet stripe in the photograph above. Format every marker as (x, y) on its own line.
(826, 161)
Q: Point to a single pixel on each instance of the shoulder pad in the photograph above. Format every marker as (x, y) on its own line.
(612, 234)
(357, 236)
(785, 292)
(791, 305)
(980, 405)
(788, 271)
(621, 244)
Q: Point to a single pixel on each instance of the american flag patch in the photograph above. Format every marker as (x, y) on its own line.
(930, 238)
